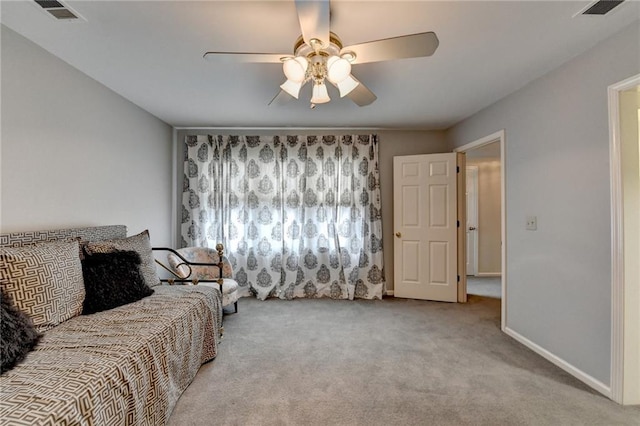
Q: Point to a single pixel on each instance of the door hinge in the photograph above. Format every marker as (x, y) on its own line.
(458, 224)
(457, 169)
(458, 278)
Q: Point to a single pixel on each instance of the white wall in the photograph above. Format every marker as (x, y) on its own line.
(74, 153)
(489, 221)
(557, 168)
(392, 143)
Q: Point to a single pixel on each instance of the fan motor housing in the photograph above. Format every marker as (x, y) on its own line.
(300, 48)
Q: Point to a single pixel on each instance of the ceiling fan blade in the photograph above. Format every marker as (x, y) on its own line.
(281, 98)
(241, 57)
(314, 20)
(409, 46)
(361, 95)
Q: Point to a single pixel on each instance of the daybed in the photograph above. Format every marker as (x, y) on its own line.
(123, 366)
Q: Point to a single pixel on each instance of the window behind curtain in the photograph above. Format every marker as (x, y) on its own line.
(299, 215)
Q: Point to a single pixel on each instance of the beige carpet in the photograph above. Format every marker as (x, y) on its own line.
(405, 362)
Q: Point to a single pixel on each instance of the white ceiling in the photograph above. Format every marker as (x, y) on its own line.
(150, 52)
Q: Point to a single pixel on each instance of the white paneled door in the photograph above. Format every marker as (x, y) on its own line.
(425, 227)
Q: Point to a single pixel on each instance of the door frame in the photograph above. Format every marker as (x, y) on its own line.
(618, 283)
(498, 136)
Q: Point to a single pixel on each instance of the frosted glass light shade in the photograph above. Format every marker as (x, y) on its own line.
(292, 88)
(320, 95)
(295, 68)
(338, 69)
(347, 85)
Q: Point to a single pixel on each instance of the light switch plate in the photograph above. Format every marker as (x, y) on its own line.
(531, 223)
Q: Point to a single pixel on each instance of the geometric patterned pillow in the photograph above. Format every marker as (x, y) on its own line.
(44, 281)
(139, 243)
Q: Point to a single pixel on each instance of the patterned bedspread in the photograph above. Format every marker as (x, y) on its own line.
(126, 366)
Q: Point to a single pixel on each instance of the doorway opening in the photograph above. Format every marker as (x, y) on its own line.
(485, 253)
(483, 221)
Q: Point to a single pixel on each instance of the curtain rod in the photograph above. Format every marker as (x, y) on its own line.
(307, 128)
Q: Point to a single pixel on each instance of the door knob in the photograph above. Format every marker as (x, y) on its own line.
(398, 234)
(472, 228)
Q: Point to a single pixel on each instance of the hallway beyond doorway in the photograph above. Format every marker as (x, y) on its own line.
(484, 286)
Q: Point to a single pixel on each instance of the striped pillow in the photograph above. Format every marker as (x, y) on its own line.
(44, 280)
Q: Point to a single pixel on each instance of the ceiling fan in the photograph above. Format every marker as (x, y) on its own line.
(319, 56)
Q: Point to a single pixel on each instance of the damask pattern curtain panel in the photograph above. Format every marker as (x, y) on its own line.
(299, 215)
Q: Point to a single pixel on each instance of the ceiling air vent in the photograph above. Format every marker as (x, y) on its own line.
(601, 7)
(59, 10)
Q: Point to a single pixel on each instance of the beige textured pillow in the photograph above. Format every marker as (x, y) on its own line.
(44, 280)
(139, 243)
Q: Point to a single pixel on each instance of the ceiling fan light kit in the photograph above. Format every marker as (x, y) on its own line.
(317, 62)
(295, 69)
(338, 69)
(320, 94)
(347, 85)
(319, 56)
(292, 88)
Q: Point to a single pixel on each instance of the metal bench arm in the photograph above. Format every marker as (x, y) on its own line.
(189, 264)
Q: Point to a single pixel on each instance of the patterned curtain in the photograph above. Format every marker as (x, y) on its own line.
(299, 215)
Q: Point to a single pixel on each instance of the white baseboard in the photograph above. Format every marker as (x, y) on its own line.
(389, 293)
(575, 372)
(488, 274)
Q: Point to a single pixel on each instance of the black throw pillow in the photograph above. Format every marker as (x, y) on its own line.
(112, 280)
(18, 334)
